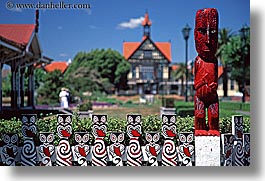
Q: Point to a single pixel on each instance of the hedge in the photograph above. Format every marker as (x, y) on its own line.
(149, 123)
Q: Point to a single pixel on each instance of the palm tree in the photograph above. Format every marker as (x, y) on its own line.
(223, 40)
(180, 73)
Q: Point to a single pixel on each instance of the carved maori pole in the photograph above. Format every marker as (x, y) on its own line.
(207, 136)
(46, 149)
(64, 131)
(117, 148)
(237, 131)
(81, 149)
(186, 149)
(134, 131)
(169, 152)
(10, 149)
(29, 131)
(99, 130)
(206, 73)
(152, 149)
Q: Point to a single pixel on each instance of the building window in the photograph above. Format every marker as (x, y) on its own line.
(147, 54)
(133, 72)
(147, 73)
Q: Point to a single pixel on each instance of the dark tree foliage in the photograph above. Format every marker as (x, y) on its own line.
(98, 70)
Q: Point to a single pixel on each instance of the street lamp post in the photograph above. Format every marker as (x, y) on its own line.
(186, 33)
(243, 33)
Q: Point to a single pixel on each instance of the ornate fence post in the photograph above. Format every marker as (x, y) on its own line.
(227, 148)
(29, 131)
(246, 141)
(237, 131)
(152, 149)
(9, 150)
(134, 131)
(169, 152)
(81, 148)
(99, 130)
(46, 150)
(64, 131)
(186, 149)
(117, 148)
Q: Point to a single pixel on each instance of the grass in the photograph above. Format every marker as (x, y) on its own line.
(226, 109)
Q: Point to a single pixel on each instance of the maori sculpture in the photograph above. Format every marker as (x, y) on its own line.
(228, 147)
(169, 152)
(29, 131)
(81, 149)
(10, 149)
(99, 130)
(246, 141)
(46, 149)
(64, 131)
(117, 148)
(152, 148)
(237, 131)
(134, 131)
(186, 149)
(206, 73)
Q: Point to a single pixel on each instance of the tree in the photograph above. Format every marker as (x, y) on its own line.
(49, 92)
(98, 70)
(233, 53)
(223, 40)
(180, 73)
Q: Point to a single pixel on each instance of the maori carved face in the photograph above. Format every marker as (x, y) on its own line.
(206, 32)
(46, 138)
(64, 126)
(99, 127)
(10, 148)
(185, 147)
(237, 125)
(116, 137)
(81, 138)
(134, 128)
(169, 126)
(29, 128)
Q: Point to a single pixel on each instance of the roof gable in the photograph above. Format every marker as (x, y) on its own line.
(62, 66)
(129, 48)
(19, 34)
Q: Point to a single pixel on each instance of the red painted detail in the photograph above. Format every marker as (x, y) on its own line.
(29, 133)
(10, 152)
(135, 133)
(101, 133)
(170, 133)
(117, 151)
(65, 133)
(152, 150)
(46, 151)
(186, 151)
(228, 153)
(213, 133)
(82, 151)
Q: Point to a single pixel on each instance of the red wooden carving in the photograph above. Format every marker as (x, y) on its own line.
(206, 73)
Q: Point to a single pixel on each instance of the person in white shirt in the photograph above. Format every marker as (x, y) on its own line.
(64, 98)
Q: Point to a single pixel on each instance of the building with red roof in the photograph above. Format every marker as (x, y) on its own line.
(149, 61)
(62, 66)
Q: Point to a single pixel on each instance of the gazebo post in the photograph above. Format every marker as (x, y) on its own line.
(1, 101)
(13, 85)
(31, 87)
(22, 91)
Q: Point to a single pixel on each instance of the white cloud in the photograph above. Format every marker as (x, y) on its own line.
(92, 27)
(131, 24)
(63, 55)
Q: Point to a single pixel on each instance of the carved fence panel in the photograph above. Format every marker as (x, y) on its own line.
(91, 149)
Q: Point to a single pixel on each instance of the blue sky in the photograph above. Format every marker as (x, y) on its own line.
(63, 33)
